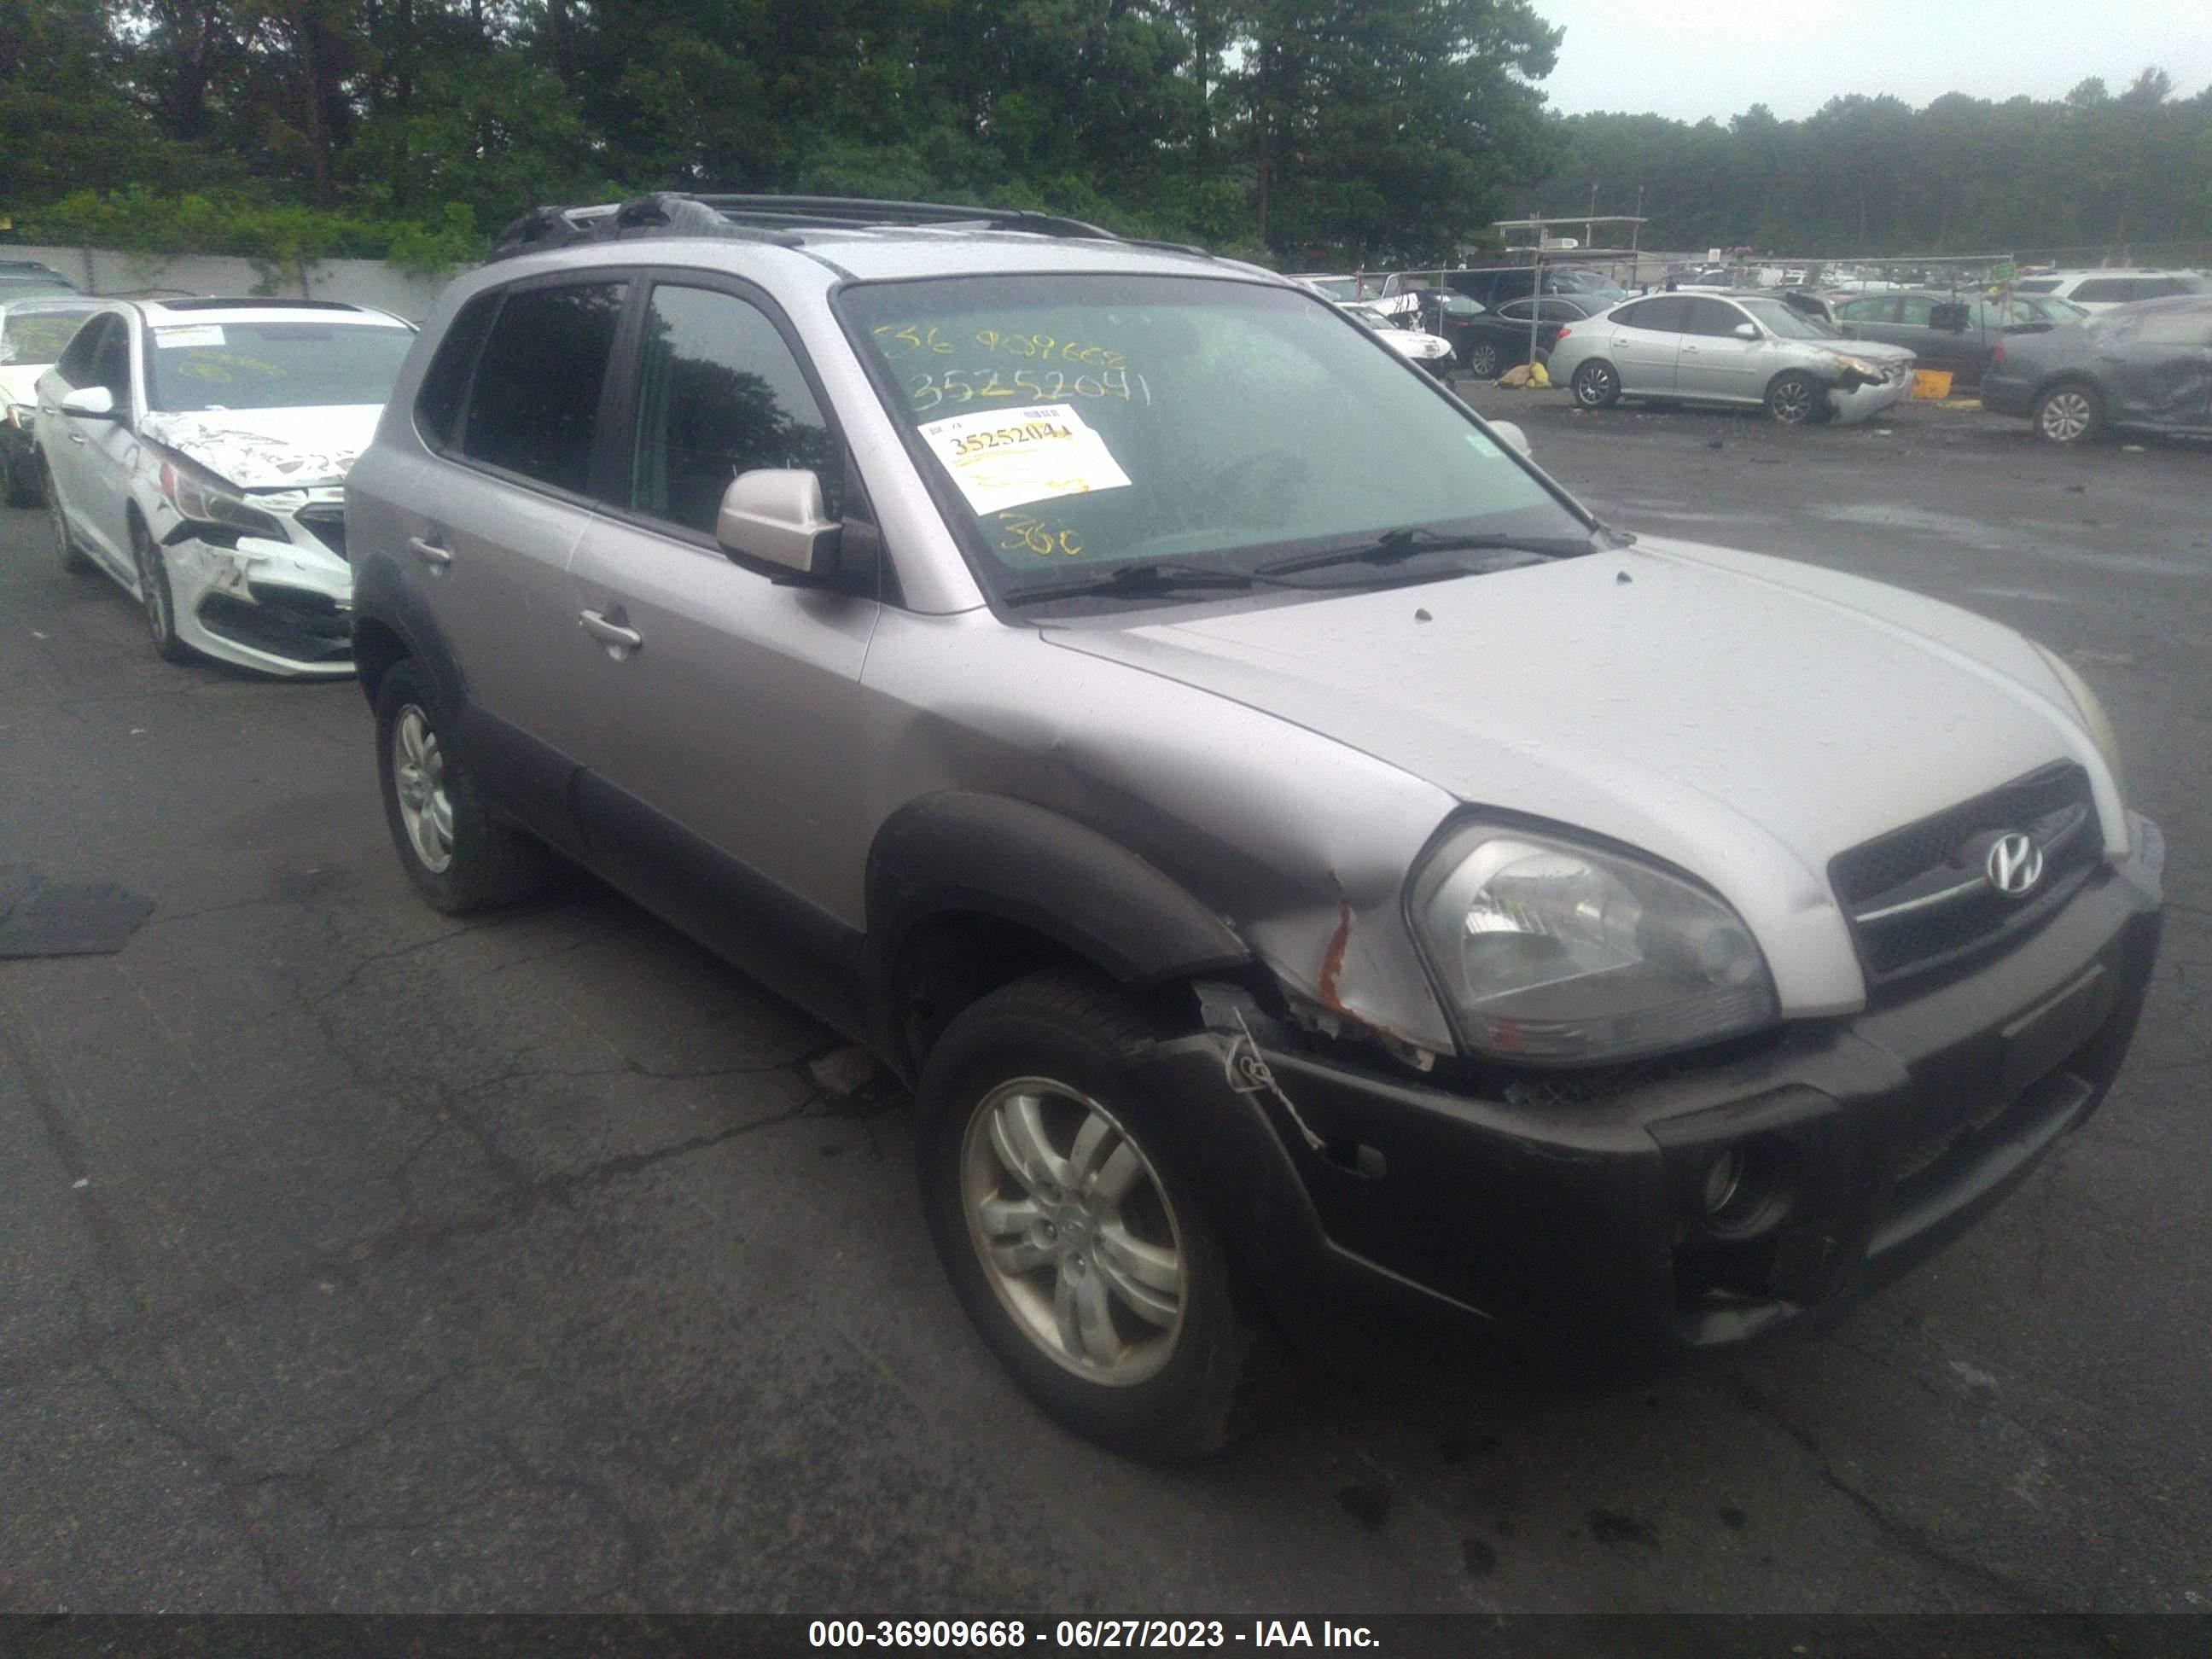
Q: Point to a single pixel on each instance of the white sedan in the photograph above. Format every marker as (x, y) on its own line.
(1430, 351)
(196, 452)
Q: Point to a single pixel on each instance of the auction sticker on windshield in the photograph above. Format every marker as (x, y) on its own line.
(205, 334)
(1011, 456)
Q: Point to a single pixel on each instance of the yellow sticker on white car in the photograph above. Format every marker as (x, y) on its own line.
(1005, 458)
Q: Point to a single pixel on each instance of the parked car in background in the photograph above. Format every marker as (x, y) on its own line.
(194, 451)
(1739, 348)
(1405, 336)
(2098, 290)
(1438, 310)
(1957, 333)
(1342, 287)
(1500, 286)
(2146, 367)
(21, 278)
(33, 334)
(1317, 877)
(1500, 339)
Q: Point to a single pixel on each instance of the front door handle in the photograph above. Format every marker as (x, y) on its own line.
(77, 437)
(428, 552)
(610, 631)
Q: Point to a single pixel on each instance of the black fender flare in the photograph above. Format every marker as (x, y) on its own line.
(959, 851)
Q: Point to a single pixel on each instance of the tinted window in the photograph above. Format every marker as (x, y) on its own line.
(1916, 310)
(719, 393)
(2102, 290)
(75, 364)
(534, 407)
(1868, 311)
(1518, 312)
(1713, 317)
(1666, 314)
(2036, 285)
(438, 403)
(112, 366)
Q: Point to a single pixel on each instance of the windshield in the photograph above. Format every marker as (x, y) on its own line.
(271, 365)
(1372, 317)
(1789, 324)
(29, 335)
(1336, 287)
(1085, 423)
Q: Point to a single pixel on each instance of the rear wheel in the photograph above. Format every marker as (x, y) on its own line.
(155, 597)
(1597, 385)
(458, 857)
(1795, 399)
(1075, 1236)
(2069, 414)
(1482, 360)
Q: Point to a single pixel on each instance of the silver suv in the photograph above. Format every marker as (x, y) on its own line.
(1309, 899)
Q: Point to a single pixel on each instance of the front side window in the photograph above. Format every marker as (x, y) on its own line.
(1916, 310)
(1713, 317)
(437, 401)
(78, 362)
(1074, 423)
(534, 406)
(194, 366)
(111, 367)
(718, 394)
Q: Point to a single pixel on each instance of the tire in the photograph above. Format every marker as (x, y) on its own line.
(19, 480)
(1483, 360)
(155, 597)
(1596, 385)
(1796, 398)
(72, 556)
(1025, 1110)
(458, 857)
(2070, 413)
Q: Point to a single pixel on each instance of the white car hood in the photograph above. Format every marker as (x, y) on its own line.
(269, 448)
(1745, 718)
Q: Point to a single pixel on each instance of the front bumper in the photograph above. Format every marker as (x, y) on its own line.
(1861, 403)
(1572, 1210)
(279, 607)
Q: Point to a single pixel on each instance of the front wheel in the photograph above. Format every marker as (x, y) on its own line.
(1795, 399)
(2071, 414)
(1075, 1236)
(155, 597)
(1596, 385)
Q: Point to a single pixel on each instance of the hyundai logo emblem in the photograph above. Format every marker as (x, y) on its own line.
(2014, 865)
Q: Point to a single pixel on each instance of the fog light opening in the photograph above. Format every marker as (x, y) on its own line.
(1747, 1188)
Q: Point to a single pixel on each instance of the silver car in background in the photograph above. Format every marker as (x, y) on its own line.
(1745, 349)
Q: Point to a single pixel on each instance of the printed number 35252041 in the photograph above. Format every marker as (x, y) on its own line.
(963, 386)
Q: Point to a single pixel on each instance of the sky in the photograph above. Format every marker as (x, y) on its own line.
(1691, 58)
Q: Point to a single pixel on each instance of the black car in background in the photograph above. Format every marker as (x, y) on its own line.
(1958, 333)
(1498, 339)
(2145, 367)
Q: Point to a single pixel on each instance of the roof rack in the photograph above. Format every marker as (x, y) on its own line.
(781, 220)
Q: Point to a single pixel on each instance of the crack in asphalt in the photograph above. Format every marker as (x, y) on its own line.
(1908, 1539)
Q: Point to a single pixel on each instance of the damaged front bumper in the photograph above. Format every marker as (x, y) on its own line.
(1856, 399)
(282, 607)
(1578, 1208)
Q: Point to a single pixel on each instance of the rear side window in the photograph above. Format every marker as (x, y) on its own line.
(534, 406)
(438, 403)
(1666, 314)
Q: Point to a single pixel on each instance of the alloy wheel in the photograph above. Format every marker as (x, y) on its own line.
(1593, 386)
(418, 778)
(1791, 401)
(2065, 416)
(1482, 362)
(1075, 1233)
(152, 587)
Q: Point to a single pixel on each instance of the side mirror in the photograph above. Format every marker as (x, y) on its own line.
(91, 403)
(772, 517)
(1510, 434)
(1746, 331)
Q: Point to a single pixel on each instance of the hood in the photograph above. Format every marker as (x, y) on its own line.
(269, 448)
(1744, 718)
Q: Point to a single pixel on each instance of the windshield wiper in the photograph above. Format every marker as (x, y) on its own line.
(1396, 546)
(1139, 579)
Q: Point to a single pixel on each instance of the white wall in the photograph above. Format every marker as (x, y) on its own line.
(105, 272)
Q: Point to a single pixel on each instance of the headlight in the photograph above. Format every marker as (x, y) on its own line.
(2095, 721)
(200, 498)
(1549, 952)
(1861, 366)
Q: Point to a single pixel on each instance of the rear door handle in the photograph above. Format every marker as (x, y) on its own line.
(428, 552)
(610, 631)
(77, 437)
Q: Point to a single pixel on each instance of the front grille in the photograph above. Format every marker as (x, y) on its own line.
(326, 525)
(1916, 897)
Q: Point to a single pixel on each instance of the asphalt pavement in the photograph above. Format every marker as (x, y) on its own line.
(352, 1257)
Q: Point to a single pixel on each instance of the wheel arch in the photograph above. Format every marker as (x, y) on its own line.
(968, 891)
